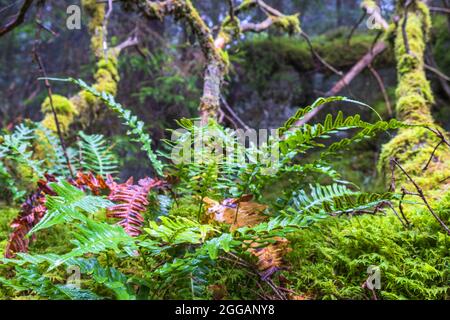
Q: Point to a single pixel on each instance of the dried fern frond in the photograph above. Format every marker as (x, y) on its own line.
(95, 183)
(270, 257)
(132, 202)
(32, 211)
(238, 212)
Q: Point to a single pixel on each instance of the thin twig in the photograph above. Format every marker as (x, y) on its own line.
(400, 205)
(440, 10)
(377, 77)
(50, 97)
(231, 111)
(406, 225)
(437, 72)
(432, 155)
(356, 25)
(231, 9)
(53, 33)
(375, 41)
(318, 57)
(421, 195)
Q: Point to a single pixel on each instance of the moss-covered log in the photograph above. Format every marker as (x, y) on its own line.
(414, 146)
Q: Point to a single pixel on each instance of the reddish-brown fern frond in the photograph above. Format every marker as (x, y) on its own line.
(132, 202)
(87, 180)
(32, 211)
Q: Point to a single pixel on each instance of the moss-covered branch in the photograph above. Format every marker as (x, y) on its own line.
(83, 106)
(414, 146)
(213, 49)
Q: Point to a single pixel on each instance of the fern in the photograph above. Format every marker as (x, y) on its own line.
(307, 136)
(33, 279)
(179, 230)
(56, 157)
(301, 112)
(94, 237)
(70, 204)
(16, 147)
(110, 277)
(136, 126)
(132, 202)
(95, 156)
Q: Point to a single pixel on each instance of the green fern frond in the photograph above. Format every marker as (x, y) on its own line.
(16, 147)
(94, 237)
(300, 114)
(70, 204)
(177, 230)
(136, 126)
(56, 156)
(95, 156)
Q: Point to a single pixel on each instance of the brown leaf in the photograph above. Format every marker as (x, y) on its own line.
(236, 212)
(270, 257)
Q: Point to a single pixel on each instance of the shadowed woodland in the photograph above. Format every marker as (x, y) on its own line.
(97, 96)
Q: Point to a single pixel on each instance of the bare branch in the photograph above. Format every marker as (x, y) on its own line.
(440, 10)
(129, 42)
(40, 64)
(405, 21)
(346, 79)
(233, 114)
(356, 25)
(382, 88)
(19, 18)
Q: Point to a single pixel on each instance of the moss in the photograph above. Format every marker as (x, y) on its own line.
(64, 122)
(61, 104)
(110, 66)
(96, 12)
(263, 56)
(414, 146)
(7, 214)
(290, 24)
(330, 260)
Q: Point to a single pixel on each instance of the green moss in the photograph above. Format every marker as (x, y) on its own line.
(110, 66)
(330, 260)
(64, 122)
(262, 56)
(61, 104)
(7, 214)
(290, 24)
(272, 52)
(96, 12)
(414, 146)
